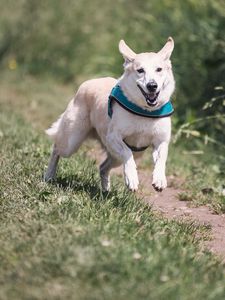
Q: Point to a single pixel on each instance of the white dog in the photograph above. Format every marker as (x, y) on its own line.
(125, 115)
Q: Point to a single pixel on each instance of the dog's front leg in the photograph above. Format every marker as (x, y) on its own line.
(121, 152)
(160, 153)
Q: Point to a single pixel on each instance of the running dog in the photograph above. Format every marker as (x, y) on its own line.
(126, 115)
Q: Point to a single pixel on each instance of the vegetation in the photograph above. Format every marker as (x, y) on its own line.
(68, 238)
(69, 241)
(78, 39)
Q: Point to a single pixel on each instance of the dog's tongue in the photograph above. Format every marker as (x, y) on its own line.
(151, 102)
(151, 97)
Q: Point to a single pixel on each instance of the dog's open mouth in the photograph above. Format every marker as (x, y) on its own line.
(149, 97)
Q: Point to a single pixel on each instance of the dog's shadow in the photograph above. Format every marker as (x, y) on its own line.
(79, 184)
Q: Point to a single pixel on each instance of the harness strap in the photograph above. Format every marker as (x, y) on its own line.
(118, 96)
(136, 149)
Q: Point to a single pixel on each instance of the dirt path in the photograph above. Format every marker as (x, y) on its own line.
(167, 204)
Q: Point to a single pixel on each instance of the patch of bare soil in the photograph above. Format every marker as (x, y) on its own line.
(168, 204)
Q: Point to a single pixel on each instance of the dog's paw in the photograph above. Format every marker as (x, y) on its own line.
(159, 182)
(131, 177)
(132, 182)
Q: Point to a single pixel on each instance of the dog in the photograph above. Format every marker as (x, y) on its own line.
(126, 115)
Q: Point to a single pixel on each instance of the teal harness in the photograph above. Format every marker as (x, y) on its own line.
(118, 96)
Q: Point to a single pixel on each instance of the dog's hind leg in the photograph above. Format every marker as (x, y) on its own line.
(105, 168)
(52, 165)
(68, 133)
(65, 148)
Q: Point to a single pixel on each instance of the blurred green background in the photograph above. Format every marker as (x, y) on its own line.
(74, 40)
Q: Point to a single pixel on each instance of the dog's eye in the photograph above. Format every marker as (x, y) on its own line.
(158, 69)
(141, 70)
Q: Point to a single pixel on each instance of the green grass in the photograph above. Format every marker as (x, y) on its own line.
(201, 176)
(67, 240)
(41, 102)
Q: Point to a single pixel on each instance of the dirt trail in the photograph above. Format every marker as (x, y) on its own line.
(168, 204)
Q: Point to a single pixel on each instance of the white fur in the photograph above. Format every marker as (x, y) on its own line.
(87, 113)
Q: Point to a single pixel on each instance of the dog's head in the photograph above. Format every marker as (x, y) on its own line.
(148, 78)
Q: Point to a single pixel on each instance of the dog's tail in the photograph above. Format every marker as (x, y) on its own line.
(53, 130)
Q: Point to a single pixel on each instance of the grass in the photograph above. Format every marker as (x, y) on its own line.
(201, 176)
(67, 240)
(197, 172)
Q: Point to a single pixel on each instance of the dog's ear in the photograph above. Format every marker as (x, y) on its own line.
(167, 50)
(128, 54)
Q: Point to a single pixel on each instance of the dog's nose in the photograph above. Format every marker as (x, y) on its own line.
(152, 86)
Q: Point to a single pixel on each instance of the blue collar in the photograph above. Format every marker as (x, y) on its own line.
(117, 95)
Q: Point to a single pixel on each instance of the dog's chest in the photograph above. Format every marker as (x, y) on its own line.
(141, 131)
